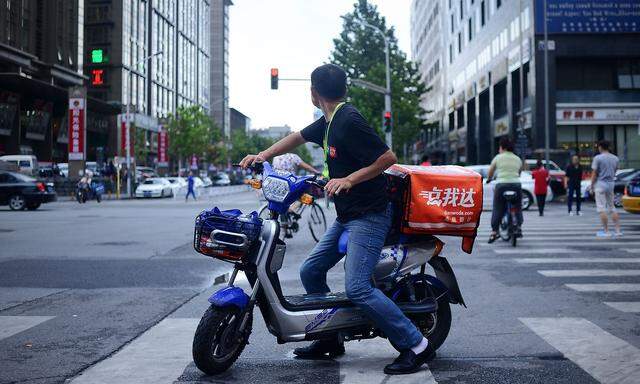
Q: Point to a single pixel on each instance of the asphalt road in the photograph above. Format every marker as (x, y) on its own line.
(112, 292)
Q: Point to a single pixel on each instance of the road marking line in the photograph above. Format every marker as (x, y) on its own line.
(539, 250)
(158, 356)
(583, 242)
(607, 358)
(631, 250)
(11, 325)
(590, 272)
(625, 306)
(365, 359)
(573, 260)
(621, 287)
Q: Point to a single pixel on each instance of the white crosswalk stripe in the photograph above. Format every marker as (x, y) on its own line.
(158, 356)
(590, 272)
(364, 361)
(11, 325)
(511, 251)
(622, 287)
(577, 260)
(607, 358)
(625, 306)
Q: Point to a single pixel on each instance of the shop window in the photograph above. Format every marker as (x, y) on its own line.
(451, 121)
(500, 99)
(460, 116)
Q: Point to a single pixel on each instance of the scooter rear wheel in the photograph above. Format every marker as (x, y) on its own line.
(216, 343)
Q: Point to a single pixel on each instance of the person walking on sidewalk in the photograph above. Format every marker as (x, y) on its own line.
(190, 187)
(602, 183)
(572, 179)
(541, 181)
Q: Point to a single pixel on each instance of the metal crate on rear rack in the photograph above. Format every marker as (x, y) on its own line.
(226, 235)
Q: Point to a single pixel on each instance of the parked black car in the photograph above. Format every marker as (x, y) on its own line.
(19, 191)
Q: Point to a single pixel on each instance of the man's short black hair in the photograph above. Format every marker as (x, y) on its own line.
(506, 143)
(425, 158)
(330, 81)
(604, 144)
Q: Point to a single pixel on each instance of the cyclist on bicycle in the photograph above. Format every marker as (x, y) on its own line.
(508, 166)
(290, 162)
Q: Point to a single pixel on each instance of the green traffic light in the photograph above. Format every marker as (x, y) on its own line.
(97, 56)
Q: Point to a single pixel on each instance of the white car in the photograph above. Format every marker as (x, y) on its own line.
(154, 187)
(221, 179)
(526, 181)
(177, 183)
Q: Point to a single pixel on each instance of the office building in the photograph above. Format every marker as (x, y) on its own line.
(41, 57)
(150, 54)
(238, 121)
(428, 47)
(272, 133)
(219, 74)
(592, 71)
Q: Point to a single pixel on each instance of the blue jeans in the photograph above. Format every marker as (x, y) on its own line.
(571, 191)
(366, 239)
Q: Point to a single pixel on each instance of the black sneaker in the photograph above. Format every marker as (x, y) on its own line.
(320, 349)
(408, 362)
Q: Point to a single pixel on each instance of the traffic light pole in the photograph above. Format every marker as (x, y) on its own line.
(387, 94)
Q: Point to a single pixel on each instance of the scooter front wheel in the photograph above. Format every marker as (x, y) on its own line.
(217, 344)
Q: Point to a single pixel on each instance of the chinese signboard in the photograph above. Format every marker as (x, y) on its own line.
(163, 144)
(585, 115)
(589, 16)
(77, 130)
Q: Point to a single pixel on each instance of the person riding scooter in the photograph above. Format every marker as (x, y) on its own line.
(355, 158)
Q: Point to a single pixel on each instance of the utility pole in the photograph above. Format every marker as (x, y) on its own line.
(521, 119)
(546, 85)
(128, 123)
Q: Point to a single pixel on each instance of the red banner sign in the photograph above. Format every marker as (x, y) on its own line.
(76, 128)
(163, 145)
(123, 141)
(194, 162)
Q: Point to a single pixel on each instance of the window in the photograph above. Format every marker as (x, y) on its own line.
(470, 26)
(483, 13)
(459, 42)
(461, 10)
(452, 23)
(450, 54)
(498, 3)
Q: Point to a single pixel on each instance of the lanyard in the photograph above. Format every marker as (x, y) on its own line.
(325, 143)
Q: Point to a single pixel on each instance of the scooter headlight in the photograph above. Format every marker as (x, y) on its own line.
(275, 189)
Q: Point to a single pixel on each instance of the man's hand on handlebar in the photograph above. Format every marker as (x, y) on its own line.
(335, 186)
(249, 160)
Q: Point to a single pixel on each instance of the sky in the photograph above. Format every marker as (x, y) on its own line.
(294, 36)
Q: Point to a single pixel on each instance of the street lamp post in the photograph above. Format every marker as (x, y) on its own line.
(387, 94)
(128, 123)
(546, 85)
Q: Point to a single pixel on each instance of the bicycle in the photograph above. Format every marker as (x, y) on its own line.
(289, 222)
(508, 230)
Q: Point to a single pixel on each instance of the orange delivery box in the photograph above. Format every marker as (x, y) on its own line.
(437, 200)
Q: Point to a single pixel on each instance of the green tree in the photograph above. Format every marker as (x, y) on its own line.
(360, 51)
(191, 131)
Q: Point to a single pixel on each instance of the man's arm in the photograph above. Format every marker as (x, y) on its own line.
(308, 167)
(492, 170)
(335, 186)
(284, 145)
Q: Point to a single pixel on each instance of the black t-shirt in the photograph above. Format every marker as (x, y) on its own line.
(353, 145)
(574, 174)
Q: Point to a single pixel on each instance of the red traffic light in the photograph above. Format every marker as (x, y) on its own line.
(274, 71)
(97, 77)
(387, 115)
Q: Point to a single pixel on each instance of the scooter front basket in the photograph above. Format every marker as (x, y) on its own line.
(226, 235)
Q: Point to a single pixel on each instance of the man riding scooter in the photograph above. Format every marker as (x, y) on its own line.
(355, 158)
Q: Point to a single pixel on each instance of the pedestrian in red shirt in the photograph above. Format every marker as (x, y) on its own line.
(541, 180)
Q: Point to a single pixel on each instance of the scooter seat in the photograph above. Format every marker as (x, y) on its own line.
(333, 299)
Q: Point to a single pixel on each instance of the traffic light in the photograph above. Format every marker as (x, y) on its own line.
(274, 78)
(97, 56)
(97, 77)
(387, 121)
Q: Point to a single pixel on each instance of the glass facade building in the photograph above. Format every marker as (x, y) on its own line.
(493, 59)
